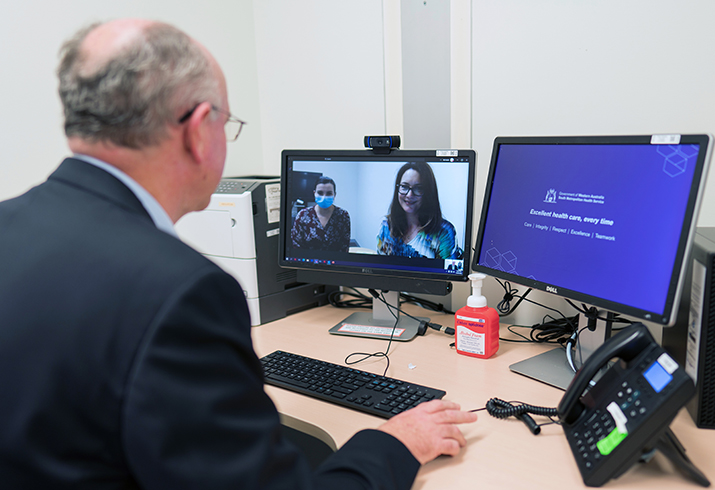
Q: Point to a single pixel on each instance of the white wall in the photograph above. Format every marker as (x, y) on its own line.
(320, 74)
(426, 74)
(557, 67)
(564, 67)
(31, 32)
(311, 74)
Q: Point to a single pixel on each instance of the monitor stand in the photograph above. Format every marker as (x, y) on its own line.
(380, 322)
(552, 367)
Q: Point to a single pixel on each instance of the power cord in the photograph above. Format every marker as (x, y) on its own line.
(562, 330)
(550, 330)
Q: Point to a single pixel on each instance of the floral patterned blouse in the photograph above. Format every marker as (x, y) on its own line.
(308, 233)
(440, 245)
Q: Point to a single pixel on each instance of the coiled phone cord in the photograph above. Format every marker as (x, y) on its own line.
(501, 409)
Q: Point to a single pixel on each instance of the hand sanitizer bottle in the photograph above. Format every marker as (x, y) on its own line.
(476, 326)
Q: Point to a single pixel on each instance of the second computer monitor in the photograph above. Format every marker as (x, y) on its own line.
(603, 220)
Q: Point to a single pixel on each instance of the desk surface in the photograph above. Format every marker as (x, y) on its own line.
(499, 452)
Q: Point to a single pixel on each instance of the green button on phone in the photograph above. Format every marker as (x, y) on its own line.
(609, 443)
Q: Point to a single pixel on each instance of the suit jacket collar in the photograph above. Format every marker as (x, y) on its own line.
(96, 181)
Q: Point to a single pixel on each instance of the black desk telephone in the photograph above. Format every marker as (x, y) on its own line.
(624, 416)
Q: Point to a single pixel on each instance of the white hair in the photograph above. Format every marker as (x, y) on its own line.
(135, 95)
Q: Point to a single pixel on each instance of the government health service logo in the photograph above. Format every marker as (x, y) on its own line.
(550, 196)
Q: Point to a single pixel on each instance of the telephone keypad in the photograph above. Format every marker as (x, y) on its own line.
(631, 397)
(597, 427)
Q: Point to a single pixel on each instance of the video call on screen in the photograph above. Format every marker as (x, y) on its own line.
(364, 189)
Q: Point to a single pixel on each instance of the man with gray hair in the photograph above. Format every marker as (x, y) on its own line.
(125, 356)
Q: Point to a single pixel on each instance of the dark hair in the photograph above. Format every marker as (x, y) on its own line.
(323, 179)
(132, 98)
(430, 212)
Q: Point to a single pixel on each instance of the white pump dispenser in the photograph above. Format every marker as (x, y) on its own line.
(476, 300)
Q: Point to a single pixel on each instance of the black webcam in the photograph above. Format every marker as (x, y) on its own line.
(382, 142)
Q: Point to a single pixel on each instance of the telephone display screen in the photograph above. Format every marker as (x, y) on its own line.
(657, 377)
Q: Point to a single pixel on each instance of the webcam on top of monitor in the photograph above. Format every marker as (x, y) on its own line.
(382, 144)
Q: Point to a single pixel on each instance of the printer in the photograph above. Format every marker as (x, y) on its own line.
(239, 231)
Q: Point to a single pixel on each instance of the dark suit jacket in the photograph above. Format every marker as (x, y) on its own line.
(126, 358)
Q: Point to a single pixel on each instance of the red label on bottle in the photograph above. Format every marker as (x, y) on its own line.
(476, 336)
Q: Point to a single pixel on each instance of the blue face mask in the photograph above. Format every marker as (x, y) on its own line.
(324, 201)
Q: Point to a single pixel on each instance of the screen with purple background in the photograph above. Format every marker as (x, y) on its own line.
(605, 221)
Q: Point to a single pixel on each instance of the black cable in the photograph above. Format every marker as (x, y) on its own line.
(359, 300)
(425, 304)
(504, 306)
(440, 328)
(434, 326)
(592, 313)
(574, 343)
(501, 409)
(381, 297)
(363, 301)
(551, 330)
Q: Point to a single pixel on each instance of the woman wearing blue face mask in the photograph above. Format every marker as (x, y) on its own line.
(323, 226)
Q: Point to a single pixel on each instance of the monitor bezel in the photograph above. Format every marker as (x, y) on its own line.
(393, 279)
(669, 314)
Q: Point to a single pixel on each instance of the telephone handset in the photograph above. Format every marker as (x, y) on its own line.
(624, 416)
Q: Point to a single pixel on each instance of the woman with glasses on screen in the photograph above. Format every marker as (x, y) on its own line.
(414, 226)
(323, 226)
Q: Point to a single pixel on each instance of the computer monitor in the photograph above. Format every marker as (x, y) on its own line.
(400, 221)
(603, 220)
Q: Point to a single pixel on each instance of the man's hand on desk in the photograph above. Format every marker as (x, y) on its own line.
(430, 429)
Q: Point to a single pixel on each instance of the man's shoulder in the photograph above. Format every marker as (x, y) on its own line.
(157, 250)
(84, 213)
(114, 233)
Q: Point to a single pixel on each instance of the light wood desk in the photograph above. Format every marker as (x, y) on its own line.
(499, 452)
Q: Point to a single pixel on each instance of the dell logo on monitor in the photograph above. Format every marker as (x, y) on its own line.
(551, 289)
(366, 271)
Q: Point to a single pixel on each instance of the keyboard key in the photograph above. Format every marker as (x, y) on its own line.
(291, 381)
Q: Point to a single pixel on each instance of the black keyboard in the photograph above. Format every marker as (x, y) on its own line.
(359, 390)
